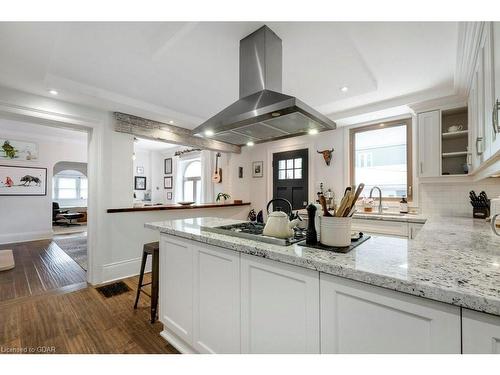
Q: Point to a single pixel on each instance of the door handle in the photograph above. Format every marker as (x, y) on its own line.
(496, 108)
(421, 167)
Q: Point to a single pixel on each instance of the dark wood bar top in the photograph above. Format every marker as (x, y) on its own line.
(166, 207)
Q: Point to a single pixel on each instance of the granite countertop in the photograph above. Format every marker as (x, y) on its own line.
(452, 260)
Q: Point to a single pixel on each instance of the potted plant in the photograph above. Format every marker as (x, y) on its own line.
(224, 196)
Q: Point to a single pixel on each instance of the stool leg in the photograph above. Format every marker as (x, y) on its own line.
(141, 277)
(154, 285)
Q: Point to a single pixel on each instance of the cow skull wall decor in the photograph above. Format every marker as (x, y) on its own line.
(327, 155)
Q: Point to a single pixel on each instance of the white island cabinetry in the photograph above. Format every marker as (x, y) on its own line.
(280, 307)
(480, 332)
(199, 296)
(360, 318)
(218, 300)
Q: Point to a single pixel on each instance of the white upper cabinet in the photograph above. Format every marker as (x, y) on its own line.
(495, 46)
(429, 144)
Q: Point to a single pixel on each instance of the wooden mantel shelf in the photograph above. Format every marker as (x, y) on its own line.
(177, 207)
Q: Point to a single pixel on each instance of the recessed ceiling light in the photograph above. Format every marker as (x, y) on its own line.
(250, 143)
(170, 122)
(344, 88)
(53, 92)
(313, 131)
(209, 133)
(275, 114)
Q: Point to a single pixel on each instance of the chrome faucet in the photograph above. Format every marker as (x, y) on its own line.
(380, 198)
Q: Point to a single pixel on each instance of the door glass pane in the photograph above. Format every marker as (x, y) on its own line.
(298, 163)
(289, 174)
(282, 164)
(281, 175)
(380, 157)
(289, 164)
(298, 174)
(188, 190)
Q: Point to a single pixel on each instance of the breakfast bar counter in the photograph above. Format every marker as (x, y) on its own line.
(163, 207)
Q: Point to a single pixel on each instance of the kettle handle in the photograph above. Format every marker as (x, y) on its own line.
(283, 200)
(493, 226)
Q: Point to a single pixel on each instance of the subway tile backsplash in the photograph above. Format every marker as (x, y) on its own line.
(453, 199)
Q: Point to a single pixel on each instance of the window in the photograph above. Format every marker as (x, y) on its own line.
(381, 156)
(70, 188)
(191, 188)
(290, 169)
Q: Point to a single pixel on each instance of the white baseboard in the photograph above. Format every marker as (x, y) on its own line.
(177, 342)
(25, 236)
(123, 269)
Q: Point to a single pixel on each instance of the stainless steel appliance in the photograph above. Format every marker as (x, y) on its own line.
(262, 113)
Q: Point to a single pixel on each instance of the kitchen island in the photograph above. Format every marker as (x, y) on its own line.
(225, 294)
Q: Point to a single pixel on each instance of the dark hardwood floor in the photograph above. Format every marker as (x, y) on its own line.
(41, 267)
(81, 322)
(47, 306)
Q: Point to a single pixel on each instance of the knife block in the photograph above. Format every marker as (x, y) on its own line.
(480, 212)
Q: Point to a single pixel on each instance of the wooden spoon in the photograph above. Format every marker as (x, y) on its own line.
(360, 188)
(322, 201)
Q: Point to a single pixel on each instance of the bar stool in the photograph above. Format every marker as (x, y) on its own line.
(152, 248)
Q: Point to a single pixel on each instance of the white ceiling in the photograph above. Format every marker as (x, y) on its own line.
(149, 145)
(188, 71)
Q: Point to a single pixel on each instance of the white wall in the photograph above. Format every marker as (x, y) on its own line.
(258, 191)
(142, 159)
(30, 217)
(452, 199)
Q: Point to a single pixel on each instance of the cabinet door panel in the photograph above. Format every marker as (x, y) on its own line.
(429, 144)
(480, 333)
(393, 228)
(217, 300)
(279, 307)
(176, 287)
(359, 318)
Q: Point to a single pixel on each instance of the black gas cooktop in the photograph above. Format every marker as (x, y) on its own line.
(253, 231)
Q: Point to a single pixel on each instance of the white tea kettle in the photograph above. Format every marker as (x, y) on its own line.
(278, 224)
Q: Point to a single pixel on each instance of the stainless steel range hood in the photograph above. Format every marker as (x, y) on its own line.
(262, 113)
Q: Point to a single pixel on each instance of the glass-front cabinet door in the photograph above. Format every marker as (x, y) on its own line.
(495, 43)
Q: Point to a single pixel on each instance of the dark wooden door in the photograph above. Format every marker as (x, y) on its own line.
(291, 178)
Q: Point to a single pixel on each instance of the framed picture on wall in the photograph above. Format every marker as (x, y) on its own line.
(257, 169)
(11, 149)
(168, 165)
(169, 196)
(139, 183)
(167, 182)
(21, 181)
